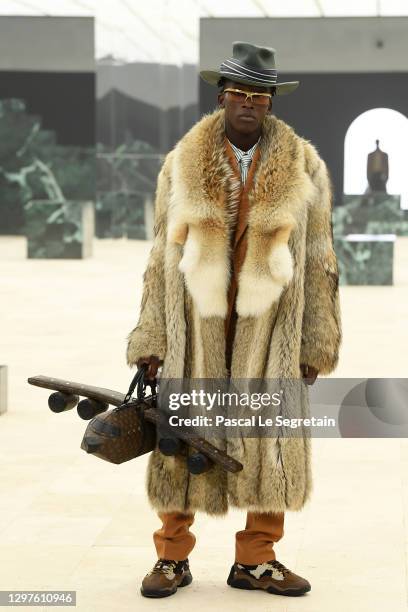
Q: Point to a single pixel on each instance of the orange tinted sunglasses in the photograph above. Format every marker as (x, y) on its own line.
(257, 98)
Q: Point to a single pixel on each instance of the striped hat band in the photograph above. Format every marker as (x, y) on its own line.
(234, 68)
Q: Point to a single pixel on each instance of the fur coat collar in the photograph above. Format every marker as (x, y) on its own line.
(204, 187)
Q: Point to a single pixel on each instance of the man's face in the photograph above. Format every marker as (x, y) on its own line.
(245, 117)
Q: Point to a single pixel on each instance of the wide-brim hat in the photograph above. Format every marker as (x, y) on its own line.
(250, 65)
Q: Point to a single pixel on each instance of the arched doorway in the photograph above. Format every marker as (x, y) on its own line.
(390, 127)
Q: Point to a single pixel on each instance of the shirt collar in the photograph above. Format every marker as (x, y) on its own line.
(239, 153)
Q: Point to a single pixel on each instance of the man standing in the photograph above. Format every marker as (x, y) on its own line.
(242, 282)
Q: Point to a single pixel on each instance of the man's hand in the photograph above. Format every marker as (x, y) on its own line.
(309, 373)
(153, 362)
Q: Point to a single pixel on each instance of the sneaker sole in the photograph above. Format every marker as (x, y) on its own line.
(156, 594)
(241, 583)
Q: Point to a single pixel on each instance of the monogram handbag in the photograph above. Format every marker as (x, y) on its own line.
(123, 433)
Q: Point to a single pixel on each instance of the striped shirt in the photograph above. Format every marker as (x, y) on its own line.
(244, 159)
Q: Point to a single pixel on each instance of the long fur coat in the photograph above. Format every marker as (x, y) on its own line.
(287, 303)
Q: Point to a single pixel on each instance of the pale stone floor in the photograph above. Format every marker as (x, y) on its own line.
(72, 521)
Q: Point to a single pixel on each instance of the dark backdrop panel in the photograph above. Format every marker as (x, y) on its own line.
(324, 106)
(120, 117)
(64, 101)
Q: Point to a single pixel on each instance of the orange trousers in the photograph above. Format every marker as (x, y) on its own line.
(253, 545)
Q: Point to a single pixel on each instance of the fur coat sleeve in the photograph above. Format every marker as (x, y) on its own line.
(149, 335)
(321, 327)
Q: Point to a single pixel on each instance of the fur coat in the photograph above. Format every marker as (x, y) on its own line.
(287, 303)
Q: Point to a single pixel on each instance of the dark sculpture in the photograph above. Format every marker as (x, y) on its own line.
(377, 170)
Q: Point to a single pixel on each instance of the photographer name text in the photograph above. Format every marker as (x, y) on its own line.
(254, 420)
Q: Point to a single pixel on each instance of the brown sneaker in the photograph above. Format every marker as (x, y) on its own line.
(165, 577)
(270, 576)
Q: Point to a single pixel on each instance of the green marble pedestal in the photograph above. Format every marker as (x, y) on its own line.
(58, 230)
(365, 259)
(375, 213)
(135, 219)
(3, 389)
(126, 188)
(121, 214)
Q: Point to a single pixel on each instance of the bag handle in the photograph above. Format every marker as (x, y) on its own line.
(139, 380)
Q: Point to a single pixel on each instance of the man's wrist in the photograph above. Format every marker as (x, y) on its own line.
(309, 373)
